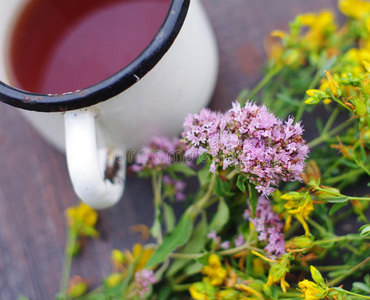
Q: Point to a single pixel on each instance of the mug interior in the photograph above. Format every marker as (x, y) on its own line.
(103, 90)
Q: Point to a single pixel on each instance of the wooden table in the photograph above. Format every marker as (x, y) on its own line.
(35, 188)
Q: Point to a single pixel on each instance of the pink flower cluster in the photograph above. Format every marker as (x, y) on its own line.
(143, 280)
(175, 186)
(252, 140)
(269, 227)
(161, 152)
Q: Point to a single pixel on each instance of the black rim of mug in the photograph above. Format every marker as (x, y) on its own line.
(111, 86)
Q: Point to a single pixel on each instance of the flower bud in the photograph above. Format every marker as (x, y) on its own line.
(316, 275)
(291, 196)
(113, 279)
(312, 101)
(360, 107)
(77, 287)
(302, 242)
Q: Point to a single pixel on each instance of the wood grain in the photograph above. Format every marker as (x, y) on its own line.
(35, 188)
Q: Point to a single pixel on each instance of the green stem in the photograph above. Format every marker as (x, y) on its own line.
(231, 251)
(266, 79)
(68, 256)
(324, 136)
(157, 190)
(333, 180)
(340, 238)
(354, 294)
(359, 198)
(349, 272)
(331, 120)
(181, 287)
(320, 228)
(236, 250)
(203, 201)
(302, 105)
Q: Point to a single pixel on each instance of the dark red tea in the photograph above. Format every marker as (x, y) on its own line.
(61, 46)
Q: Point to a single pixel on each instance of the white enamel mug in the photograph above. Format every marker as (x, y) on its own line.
(173, 76)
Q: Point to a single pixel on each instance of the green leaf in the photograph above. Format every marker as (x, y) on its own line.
(193, 268)
(253, 198)
(181, 168)
(171, 242)
(361, 287)
(222, 187)
(221, 217)
(195, 245)
(336, 207)
(203, 259)
(338, 199)
(202, 158)
(169, 217)
(365, 230)
(204, 175)
(240, 183)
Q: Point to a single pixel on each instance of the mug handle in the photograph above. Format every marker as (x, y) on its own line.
(98, 177)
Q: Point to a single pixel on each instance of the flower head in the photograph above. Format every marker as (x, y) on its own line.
(252, 140)
(82, 218)
(269, 227)
(174, 188)
(214, 270)
(310, 290)
(143, 280)
(159, 154)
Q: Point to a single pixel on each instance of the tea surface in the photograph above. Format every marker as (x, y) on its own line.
(60, 46)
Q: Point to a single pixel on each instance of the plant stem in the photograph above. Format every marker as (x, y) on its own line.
(157, 190)
(320, 228)
(354, 294)
(349, 272)
(231, 251)
(313, 83)
(68, 256)
(344, 176)
(271, 74)
(325, 135)
(203, 201)
(331, 120)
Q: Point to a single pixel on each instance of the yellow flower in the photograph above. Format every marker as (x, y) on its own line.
(139, 254)
(279, 270)
(301, 208)
(333, 85)
(310, 290)
(249, 291)
(320, 26)
(354, 8)
(82, 219)
(214, 271)
(81, 214)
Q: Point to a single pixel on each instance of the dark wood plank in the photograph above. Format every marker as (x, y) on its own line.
(34, 184)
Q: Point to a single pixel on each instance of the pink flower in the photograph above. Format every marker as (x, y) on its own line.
(159, 154)
(269, 227)
(252, 140)
(143, 280)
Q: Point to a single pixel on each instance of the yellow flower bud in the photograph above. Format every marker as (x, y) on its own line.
(113, 279)
(312, 101)
(77, 287)
(291, 196)
(333, 85)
